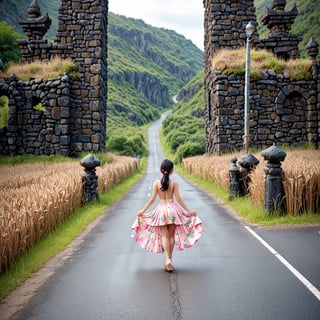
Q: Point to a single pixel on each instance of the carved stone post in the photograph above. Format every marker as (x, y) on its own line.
(248, 162)
(89, 178)
(273, 185)
(234, 174)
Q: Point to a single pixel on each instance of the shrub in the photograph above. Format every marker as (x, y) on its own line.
(9, 48)
(175, 139)
(189, 149)
(127, 146)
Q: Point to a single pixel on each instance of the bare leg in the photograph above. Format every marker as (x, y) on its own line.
(165, 242)
(171, 230)
(167, 248)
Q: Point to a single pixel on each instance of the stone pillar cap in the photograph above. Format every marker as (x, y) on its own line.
(90, 162)
(274, 154)
(34, 10)
(312, 48)
(248, 161)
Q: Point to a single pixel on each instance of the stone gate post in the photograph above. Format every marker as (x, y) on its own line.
(248, 162)
(273, 184)
(234, 173)
(89, 178)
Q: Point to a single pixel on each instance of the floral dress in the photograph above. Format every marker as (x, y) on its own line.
(147, 233)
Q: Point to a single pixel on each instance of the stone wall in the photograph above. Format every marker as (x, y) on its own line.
(224, 25)
(282, 111)
(74, 119)
(33, 131)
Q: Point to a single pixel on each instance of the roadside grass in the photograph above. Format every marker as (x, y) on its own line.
(64, 234)
(243, 206)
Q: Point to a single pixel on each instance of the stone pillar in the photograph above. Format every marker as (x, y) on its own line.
(89, 178)
(248, 162)
(312, 48)
(279, 22)
(234, 173)
(35, 27)
(224, 27)
(83, 29)
(273, 184)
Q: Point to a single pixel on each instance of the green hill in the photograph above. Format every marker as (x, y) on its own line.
(184, 129)
(146, 67)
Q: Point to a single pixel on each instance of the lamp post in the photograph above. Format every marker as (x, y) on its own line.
(249, 31)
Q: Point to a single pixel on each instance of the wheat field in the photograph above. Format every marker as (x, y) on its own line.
(301, 178)
(37, 197)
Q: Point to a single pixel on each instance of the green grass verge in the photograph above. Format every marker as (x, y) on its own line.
(244, 206)
(64, 234)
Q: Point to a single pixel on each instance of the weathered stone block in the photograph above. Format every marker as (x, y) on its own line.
(55, 113)
(96, 116)
(64, 140)
(63, 101)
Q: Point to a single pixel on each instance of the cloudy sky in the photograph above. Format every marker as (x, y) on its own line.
(183, 16)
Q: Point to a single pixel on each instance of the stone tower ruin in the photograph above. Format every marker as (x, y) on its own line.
(282, 111)
(74, 115)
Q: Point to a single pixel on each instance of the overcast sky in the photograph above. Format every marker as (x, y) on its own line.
(183, 16)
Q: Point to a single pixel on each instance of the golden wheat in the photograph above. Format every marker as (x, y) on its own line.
(301, 178)
(210, 168)
(37, 197)
(302, 181)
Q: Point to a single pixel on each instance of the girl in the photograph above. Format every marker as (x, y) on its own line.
(159, 230)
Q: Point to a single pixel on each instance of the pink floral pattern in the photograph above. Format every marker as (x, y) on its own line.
(146, 228)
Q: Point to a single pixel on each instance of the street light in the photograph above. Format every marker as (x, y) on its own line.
(249, 31)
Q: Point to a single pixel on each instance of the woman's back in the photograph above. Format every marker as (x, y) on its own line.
(167, 194)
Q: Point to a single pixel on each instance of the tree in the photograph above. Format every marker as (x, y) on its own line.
(9, 49)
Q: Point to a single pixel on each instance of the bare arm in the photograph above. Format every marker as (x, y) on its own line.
(180, 201)
(151, 200)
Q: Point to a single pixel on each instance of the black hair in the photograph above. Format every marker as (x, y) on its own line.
(165, 168)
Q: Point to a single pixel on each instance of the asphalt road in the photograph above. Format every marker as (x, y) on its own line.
(230, 273)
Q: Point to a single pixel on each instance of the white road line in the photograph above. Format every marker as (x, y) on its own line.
(294, 271)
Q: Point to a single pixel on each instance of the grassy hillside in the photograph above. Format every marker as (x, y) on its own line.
(184, 129)
(146, 67)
